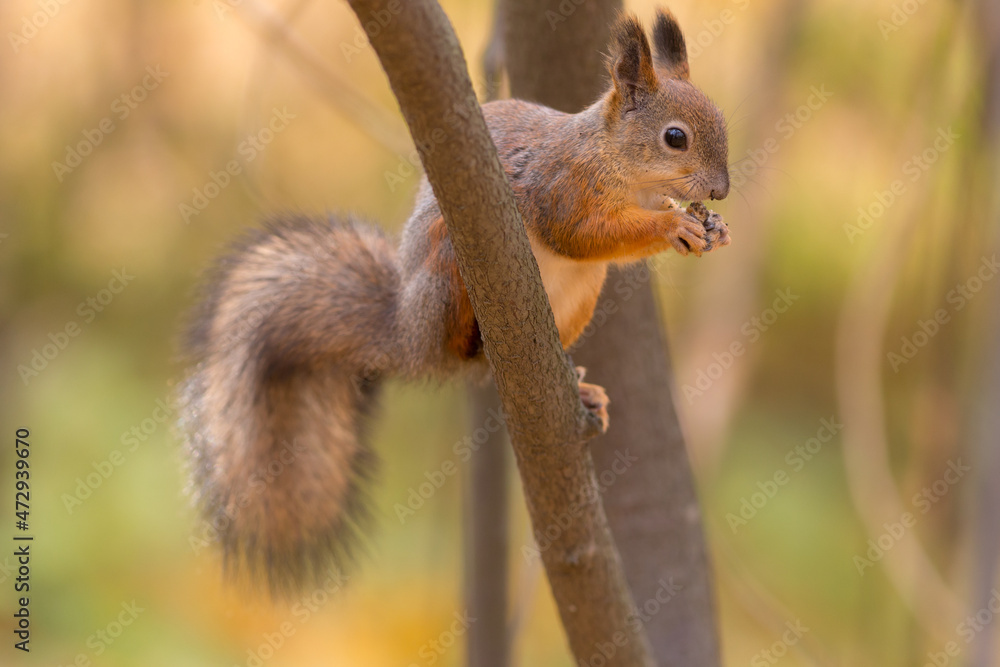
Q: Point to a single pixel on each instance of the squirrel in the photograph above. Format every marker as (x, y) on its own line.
(303, 319)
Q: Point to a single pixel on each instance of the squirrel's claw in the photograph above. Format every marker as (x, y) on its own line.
(688, 236)
(715, 231)
(594, 398)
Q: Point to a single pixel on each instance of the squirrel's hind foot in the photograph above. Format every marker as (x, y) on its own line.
(594, 398)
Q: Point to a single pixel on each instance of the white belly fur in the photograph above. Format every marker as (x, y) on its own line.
(571, 286)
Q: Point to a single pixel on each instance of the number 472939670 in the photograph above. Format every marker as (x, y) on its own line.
(22, 477)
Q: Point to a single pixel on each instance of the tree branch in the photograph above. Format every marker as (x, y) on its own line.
(653, 508)
(487, 527)
(486, 530)
(548, 424)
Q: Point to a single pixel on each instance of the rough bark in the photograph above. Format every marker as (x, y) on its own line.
(983, 579)
(487, 495)
(555, 50)
(653, 507)
(486, 529)
(548, 424)
(986, 532)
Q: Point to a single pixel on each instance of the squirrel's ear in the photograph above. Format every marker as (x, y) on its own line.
(631, 62)
(671, 52)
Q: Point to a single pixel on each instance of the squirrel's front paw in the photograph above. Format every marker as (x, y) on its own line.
(716, 231)
(687, 234)
(594, 398)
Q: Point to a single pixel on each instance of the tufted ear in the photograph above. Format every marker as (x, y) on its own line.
(671, 52)
(631, 63)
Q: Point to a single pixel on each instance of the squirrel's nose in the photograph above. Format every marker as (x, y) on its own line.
(721, 189)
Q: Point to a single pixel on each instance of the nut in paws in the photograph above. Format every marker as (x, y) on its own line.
(716, 231)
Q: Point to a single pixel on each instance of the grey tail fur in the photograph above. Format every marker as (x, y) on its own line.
(297, 326)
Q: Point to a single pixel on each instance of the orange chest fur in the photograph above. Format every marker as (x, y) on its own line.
(573, 287)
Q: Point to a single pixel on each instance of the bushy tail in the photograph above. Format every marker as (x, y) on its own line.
(288, 346)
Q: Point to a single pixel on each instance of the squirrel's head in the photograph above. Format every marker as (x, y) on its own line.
(670, 136)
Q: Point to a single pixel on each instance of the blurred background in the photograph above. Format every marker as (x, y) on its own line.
(837, 365)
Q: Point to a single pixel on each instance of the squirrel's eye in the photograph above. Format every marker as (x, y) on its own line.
(676, 138)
